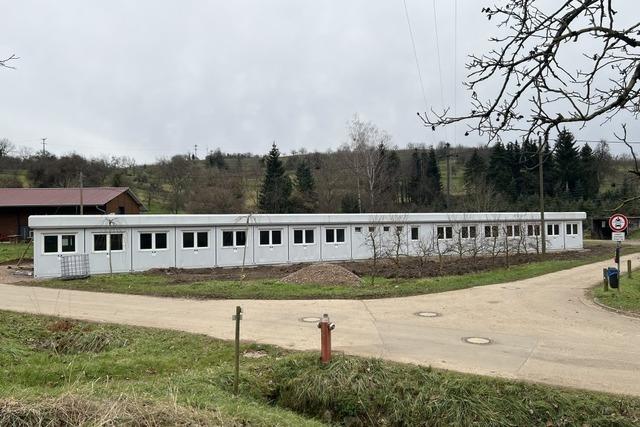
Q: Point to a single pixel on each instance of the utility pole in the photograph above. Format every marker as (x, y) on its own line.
(81, 196)
(543, 231)
(44, 145)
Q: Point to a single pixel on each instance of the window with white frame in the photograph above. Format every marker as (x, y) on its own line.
(572, 229)
(553, 229)
(59, 243)
(444, 232)
(513, 230)
(372, 229)
(385, 228)
(303, 236)
(533, 230)
(415, 233)
(153, 240)
(234, 238)
(334, 235)
(358, 229)
(468, 232)
(270, 237)
(491, 231)
(103, 242)
(195, 239)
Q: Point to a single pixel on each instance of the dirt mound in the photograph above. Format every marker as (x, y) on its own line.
(323, 274)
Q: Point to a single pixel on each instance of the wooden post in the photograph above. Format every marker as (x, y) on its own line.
(605, 279)
(629, 268)
(237, 317)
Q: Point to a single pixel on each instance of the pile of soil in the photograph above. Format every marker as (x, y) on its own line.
(326, 274)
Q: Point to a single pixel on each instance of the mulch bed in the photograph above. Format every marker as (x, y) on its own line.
(405, 267)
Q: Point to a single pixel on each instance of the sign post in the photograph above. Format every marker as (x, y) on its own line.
(618, 223)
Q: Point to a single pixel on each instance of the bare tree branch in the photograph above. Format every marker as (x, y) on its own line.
(540, 86)
(5, 62)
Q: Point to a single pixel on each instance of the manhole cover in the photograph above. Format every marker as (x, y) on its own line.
(477, 340)
(310, 319)
(427, 314)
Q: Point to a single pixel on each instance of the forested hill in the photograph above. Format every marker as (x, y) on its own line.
(367, 176)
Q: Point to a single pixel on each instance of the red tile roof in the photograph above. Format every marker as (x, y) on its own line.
(91, 196)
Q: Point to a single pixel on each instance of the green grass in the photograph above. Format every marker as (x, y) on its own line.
(634, 235)
(48, 368)
(162, 285)
(13, 251)
(628, 299)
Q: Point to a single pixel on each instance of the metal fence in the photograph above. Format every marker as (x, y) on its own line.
(74, 266)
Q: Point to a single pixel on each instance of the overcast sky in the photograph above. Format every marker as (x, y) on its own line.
(150, 79)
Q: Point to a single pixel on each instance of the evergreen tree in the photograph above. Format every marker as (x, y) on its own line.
(349, 204)
(515, 162)
(416, 187)
(306, 187)
(433, 180)
(529, 168)
(390, 182)
(588, 181)
(567, 161)
(499, 169)
(474, 170)
(274, 196)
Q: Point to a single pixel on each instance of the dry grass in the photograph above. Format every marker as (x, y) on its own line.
(73, 410)
(69, 337)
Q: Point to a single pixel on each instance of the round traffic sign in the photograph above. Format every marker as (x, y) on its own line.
(618, 222)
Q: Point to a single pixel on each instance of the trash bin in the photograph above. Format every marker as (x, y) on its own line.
(614, 277)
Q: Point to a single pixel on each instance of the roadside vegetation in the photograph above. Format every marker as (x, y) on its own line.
(13, 252)
(627, 299)
(206, 285)
(64, 372)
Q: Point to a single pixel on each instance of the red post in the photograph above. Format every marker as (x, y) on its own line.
(325, 338)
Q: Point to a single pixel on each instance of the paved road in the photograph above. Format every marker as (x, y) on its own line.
(542, 329)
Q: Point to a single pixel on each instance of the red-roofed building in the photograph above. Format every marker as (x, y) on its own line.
(17, 204)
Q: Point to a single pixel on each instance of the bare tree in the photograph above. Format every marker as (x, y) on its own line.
(6, 147)
(635, 170)
(373, 240)
(365, 154)
(424, 250)
(535, 68)
(177, 173)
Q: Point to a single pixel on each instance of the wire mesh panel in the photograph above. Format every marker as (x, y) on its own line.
(74, 266)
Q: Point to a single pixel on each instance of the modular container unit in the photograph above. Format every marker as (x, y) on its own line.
(122, 243)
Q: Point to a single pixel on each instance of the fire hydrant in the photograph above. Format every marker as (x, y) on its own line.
(325, 338)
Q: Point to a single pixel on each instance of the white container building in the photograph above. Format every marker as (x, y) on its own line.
(125, 243)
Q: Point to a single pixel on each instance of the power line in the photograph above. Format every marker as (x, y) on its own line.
(435, 27)
(415, 55)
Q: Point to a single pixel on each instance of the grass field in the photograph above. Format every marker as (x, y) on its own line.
(60, 372)
(164, 285)
(628, 299)
(13, 251)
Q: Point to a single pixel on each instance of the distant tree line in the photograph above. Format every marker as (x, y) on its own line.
(365, 174)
